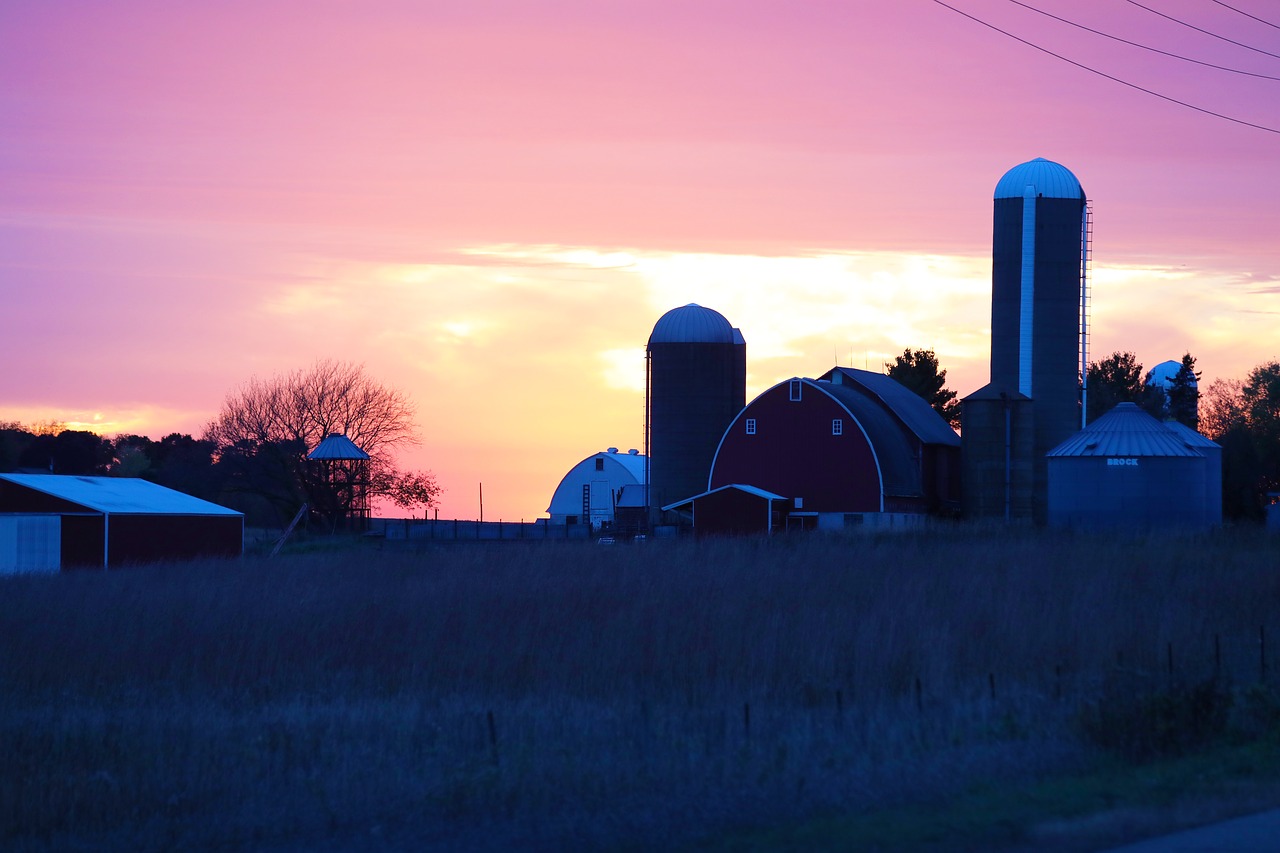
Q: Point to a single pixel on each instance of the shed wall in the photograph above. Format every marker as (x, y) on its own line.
(30, 543)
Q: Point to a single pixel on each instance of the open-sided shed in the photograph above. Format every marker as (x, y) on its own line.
(113, 521)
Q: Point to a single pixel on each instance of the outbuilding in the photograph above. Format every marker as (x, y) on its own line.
(1129, 470)
(850, 448)
(591, 490)
(59, 521)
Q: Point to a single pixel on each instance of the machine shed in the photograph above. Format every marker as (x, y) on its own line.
(107, 522)
(1129, 470)
(593, 489)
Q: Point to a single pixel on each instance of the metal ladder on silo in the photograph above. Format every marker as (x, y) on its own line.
(1086, 256)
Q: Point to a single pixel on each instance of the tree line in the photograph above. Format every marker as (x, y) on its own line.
(252, 456)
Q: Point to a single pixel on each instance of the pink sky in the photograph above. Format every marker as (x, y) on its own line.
(489, 204)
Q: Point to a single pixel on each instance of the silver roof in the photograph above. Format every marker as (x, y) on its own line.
(336, 447)
(1049, 179)
(741, 487)
(1190, 436)
(117, 495)
(693, 324)
(1126, 431)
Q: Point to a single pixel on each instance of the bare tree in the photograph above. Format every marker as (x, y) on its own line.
(266, 428)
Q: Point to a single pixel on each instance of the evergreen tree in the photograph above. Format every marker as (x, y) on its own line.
(1184, 394)
(918, 371)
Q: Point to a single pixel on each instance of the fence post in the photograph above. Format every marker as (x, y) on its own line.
(493, 739)
(1262, 654)
(919, 695)
(991, 680)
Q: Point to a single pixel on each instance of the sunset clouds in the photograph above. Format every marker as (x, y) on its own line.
(490, 204)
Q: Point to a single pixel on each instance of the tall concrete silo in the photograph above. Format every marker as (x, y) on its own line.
(1039, 333)
(695, 385)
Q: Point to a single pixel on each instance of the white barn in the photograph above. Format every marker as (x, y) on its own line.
(592, 489)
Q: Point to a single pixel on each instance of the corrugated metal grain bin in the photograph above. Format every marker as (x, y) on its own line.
(1212, 467)
(1127, 470)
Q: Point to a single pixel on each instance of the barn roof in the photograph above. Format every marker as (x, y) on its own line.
(913, 410)
(1126, 430)
(117, 495)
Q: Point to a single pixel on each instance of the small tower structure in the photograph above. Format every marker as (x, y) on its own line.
(345, 473)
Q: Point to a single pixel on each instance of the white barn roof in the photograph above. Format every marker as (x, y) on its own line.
(117, 495)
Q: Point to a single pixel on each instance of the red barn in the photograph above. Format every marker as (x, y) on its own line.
(113, 521)
(847, 444)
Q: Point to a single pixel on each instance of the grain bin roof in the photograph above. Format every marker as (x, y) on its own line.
(117, 495)
(337, 447)
(1190, 436)
(1127, 431)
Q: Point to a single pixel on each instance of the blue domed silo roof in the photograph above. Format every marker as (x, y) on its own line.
(1050, 179)
(692, 324)
(1165, 371)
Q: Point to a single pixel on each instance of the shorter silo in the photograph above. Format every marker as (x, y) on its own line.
(997, 456)
(1127, 470)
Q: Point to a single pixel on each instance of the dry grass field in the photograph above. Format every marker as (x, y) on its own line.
(575, 696)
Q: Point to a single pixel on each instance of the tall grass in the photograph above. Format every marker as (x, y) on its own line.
(480, 696)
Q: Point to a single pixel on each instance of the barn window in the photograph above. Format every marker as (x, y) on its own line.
(837, 426)
(599, 463)
(796, 385)
(751, 426)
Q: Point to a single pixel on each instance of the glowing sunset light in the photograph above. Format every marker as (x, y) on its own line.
(488, 205)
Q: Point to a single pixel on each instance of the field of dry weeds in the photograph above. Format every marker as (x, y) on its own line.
(630, 697)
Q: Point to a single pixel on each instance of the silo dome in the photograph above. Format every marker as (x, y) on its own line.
(1050, 180)
(692, 324)
(1164, 373)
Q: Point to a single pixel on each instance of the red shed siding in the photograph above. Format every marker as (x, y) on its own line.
(793, 453)
(732, 511)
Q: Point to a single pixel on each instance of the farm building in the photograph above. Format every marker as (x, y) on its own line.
(1041, 242)
(593, 490)
(66, 521)
(852, 447)
(1129, 470)
(696, 381)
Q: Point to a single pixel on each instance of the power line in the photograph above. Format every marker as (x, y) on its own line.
(1246, 14)
(1200, 30)
(1080, 26)
(1108, 76)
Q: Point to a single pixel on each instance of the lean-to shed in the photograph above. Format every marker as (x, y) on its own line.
(1129, 470)
(113, 521)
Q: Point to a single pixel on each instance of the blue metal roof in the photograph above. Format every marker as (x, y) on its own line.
(913, 410)
(1126, 431)
(1190, 436)
(117, 495)
(693, 324)
(741, 487)
(337, 447)
(1049, 179)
